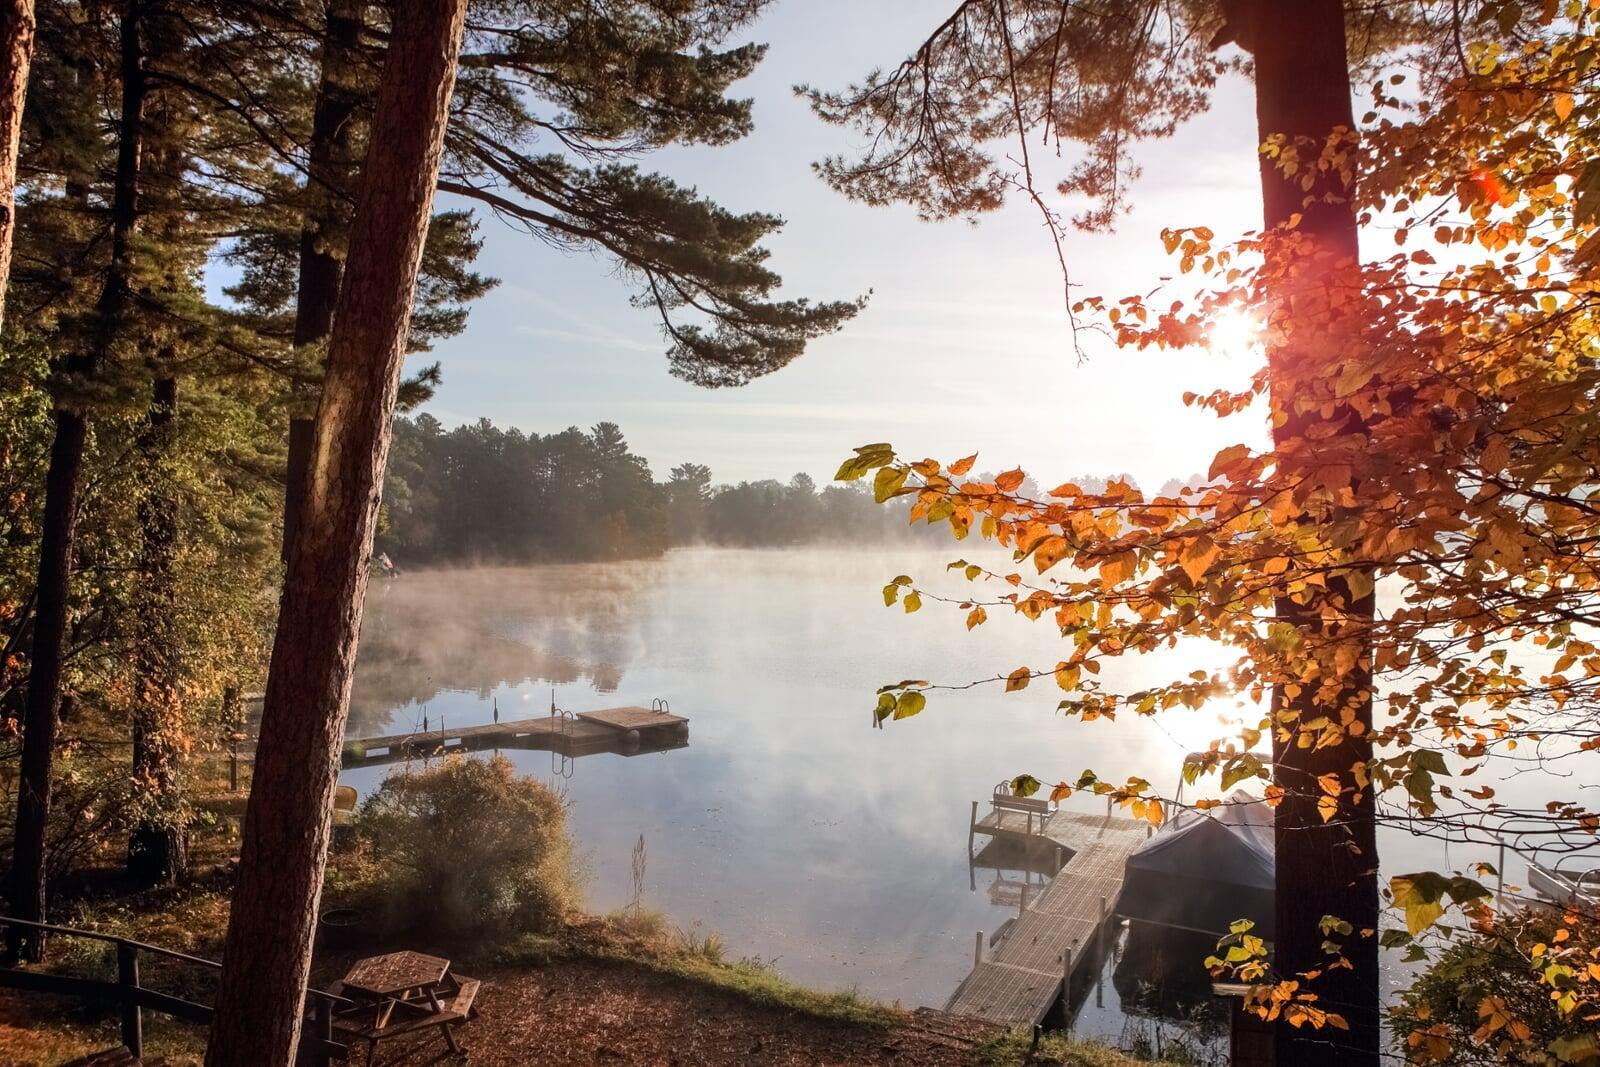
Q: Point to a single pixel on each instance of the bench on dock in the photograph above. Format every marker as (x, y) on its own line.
(1028, 805)
(1035, 810)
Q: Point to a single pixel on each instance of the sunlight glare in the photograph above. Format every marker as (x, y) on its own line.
(1234, 333)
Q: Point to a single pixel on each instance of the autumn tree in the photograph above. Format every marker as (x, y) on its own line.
(27, 889)
(146, 637)
(268, 954)
(1385, 392)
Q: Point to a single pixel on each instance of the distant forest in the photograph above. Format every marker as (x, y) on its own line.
(478, 493)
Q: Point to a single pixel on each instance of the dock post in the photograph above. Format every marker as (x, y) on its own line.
(1100, 930)
(972, 829)
(1066, 979)
(977, 949)
(1024, 906)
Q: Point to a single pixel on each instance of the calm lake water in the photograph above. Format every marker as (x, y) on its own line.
(788, 826)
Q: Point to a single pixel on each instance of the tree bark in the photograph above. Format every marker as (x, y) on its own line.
(1324, 867)
(268, 951)
(16, 39)
(27, 888)
(329, 180)
(158, 846)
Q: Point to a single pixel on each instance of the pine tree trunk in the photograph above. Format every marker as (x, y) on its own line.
(329, 181)
(16, 41)
(1324, 868)
(158, 846)
(27, 888)
(268, 953)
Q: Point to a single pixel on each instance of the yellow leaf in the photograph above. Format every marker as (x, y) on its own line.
(1327, 807)
(1153, 812)
(1197, 557)
(1049, 552)
(1018, 679)
(1118, 568)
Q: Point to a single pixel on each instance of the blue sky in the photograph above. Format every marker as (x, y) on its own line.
(962, 348)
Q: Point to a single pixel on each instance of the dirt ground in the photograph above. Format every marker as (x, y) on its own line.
(599, 1012)
(570, 1011)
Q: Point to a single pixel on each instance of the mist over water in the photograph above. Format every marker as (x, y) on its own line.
(788, 825)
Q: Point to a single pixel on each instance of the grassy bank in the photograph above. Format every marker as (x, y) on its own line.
(625, 965)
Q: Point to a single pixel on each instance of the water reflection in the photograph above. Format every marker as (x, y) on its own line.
(479, 631)
(788, 826)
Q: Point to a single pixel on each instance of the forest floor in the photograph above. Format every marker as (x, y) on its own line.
(604, 991)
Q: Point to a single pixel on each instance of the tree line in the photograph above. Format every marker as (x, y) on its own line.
(480, 494)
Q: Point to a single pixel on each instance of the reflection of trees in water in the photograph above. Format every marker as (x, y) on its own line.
(1166, 997)
(428, 632)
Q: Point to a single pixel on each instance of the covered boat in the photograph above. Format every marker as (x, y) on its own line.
(1206, 869)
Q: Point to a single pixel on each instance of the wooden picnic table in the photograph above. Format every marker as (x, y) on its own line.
(420, 987)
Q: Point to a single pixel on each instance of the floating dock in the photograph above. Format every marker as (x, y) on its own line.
(625, 731)
(1032, 959)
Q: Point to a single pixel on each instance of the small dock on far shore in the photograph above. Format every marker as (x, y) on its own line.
(626, 731)
(1031, 961)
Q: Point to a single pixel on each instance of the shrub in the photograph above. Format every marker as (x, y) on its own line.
(469, 847)
(1498, 996)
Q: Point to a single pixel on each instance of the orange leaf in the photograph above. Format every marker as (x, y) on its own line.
(962, 466)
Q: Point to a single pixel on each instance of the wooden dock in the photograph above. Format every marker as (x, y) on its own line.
(1031, 961)
(626, 731)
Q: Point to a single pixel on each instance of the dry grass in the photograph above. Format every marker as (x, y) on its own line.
(41, 1031)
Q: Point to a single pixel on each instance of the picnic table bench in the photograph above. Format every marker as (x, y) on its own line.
(403, 993)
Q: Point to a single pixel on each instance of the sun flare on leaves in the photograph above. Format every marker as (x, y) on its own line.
(1234, 333)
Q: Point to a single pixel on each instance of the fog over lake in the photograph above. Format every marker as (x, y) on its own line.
(788, 826)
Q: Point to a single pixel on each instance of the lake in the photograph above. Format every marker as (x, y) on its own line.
(789, 825)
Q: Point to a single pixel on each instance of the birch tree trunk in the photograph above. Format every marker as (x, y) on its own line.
(268, 952)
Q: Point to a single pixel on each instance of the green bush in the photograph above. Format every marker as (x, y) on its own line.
(468, 847)
(1483, 1001)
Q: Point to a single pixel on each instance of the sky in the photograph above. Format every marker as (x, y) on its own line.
(963, 346)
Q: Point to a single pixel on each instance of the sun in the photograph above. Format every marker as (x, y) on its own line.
(1233, 333)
